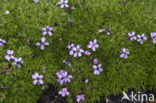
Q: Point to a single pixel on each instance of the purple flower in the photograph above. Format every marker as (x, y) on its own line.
(18, 62)
(93, 45)
(67, 61)
(2, 42)
(1, 96)
(63, 3)
(68, 9)
(95, 60)
(132, 36)
(61, 74)
(67, 79)
(63, 92)
(153, 37)
(37, 79)
(124, 53)
(60, 39)
(80, 98)
(47, 30)
(97, 69)
(42, 43)
(141, 38)
(43, 87)
(70, 22)
(86, 80)
(76, 51)
(9, 55)
(71, 46)
(63, 77)
(87, 53)
(108, 32)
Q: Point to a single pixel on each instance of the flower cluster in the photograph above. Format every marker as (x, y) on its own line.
(76, 51)
(17, 61)
(63, 3)
(37, 79)
(139, 38)
(63, 77)
(97, 68)
(43, 43)
(124, 53)
(153, 37)
(131, 36)
(2, 42)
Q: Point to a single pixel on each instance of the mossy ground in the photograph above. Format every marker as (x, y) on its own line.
(25, 23)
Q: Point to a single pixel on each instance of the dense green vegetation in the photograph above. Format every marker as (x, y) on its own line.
(22, 29)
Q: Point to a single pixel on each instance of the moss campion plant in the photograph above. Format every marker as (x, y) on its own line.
(86, 48)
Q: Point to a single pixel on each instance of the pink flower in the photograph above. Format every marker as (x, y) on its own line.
(86, 80)
(95, 60)
(87, 53)
(97, 69)
(47, 30)
(80, 98)
(93, 45)
(63, 92)
(37, 79)
(60, 39)
(9, 55)
(42, 43)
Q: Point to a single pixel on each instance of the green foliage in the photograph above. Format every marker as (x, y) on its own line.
(25, 22)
